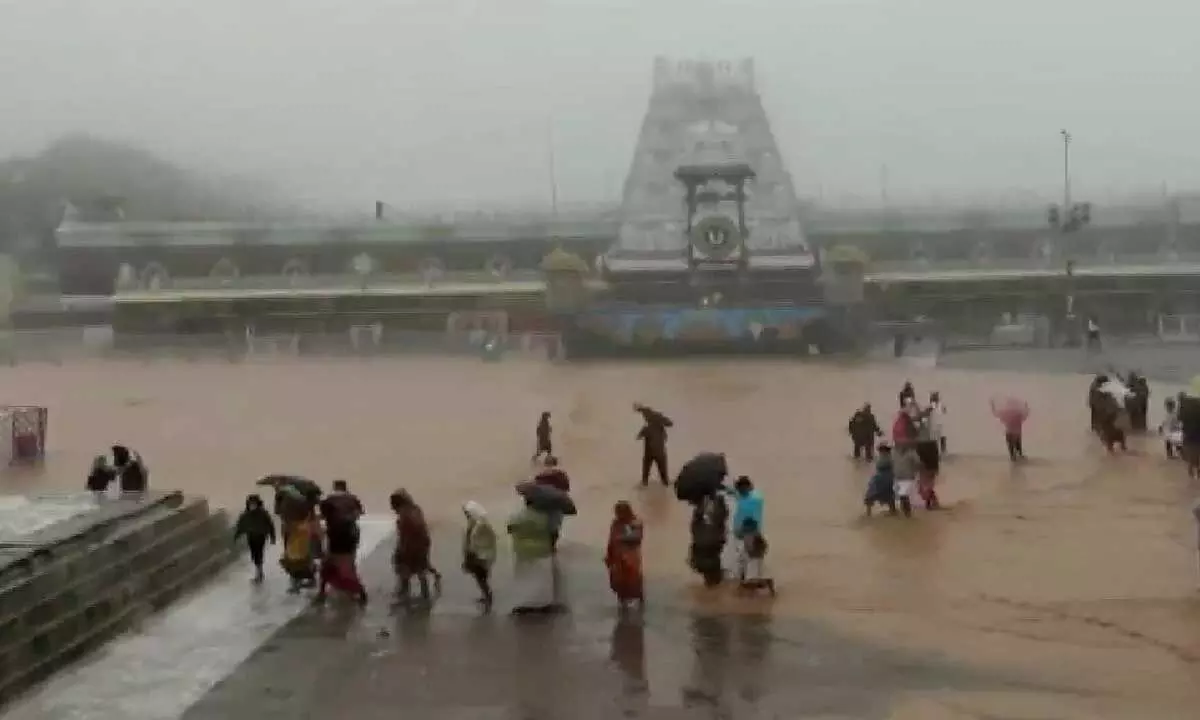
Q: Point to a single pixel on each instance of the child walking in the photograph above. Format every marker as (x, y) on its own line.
(1171, 429)
(752, 553)
(255, 524)
(905, 467)
(881, 488)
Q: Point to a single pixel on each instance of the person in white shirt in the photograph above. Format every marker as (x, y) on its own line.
(937, 420)
(1093, 333)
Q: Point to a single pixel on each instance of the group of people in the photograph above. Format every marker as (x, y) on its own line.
(710, 532)
(126, 469)
(1181, 430)
(320, 535)
(1118, 406)
(912, 461)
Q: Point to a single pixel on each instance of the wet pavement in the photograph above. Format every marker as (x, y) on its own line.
(451, 661)
(1063, 588)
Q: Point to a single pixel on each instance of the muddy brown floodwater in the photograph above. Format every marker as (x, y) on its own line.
(1076, 568)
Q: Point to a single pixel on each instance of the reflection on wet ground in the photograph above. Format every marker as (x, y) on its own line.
(1076, 569)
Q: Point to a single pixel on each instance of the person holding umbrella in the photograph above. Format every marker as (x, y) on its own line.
(654, 442)
(1012, 413)
(701, 484)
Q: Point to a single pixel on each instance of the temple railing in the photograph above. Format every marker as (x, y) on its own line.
(470, 281)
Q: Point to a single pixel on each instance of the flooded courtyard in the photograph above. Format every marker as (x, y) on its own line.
(1075, 570)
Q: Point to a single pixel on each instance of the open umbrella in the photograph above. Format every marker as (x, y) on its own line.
(701, 476)
(546, 498)
(295, 496)
(1010, 410)
(306, 487)
(654, 417)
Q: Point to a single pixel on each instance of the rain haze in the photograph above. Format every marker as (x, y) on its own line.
(457, 103)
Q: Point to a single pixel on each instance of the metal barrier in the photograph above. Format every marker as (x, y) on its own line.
(1179, 328)
(25, 426)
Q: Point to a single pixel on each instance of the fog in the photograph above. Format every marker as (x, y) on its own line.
(456, 103)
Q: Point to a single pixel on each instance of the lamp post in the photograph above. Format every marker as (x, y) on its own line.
(1066, 136)
(1069, 217)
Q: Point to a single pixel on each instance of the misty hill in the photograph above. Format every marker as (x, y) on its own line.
(106, 180)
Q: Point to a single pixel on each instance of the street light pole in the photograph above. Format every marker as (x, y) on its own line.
(1066, 136)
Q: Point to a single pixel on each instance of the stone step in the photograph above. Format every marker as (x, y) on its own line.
(84, 597)
(66, 564)
(24, 556)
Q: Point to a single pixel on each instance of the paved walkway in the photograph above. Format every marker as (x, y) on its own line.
(236, 651)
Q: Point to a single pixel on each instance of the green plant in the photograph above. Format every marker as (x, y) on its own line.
(562, 261)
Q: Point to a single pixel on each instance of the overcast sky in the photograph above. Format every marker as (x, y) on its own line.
(453, 102)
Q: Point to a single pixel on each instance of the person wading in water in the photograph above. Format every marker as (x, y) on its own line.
(654, 442)
(545, 448)
(863, 429)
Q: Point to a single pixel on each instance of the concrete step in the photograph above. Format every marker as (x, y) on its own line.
(70, 605)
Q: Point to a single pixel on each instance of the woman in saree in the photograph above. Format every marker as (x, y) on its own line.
(340, 565)
(624, 555)
(533, 567)
(301, 550)
(413, 544)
